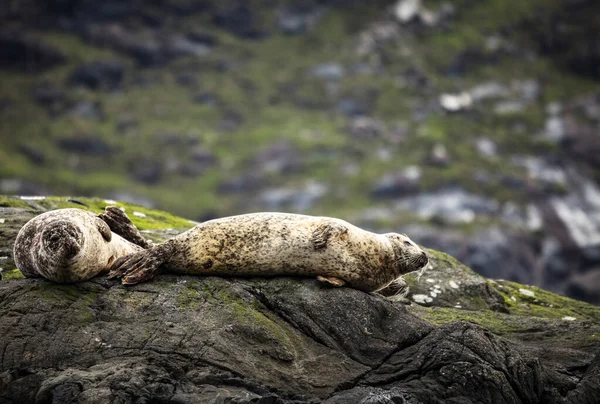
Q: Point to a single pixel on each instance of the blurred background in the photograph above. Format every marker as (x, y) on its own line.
(471, 125)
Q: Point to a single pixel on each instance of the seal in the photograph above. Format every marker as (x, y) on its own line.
(270, 243)
(74, 245)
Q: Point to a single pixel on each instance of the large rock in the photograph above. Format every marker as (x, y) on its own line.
(21, 52)
(181, 339)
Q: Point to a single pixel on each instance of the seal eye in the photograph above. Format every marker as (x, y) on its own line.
(407, 243)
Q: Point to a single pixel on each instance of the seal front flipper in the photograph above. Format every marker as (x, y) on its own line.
(331, 281)
(141, 266)
(324, 232)
(119, 223)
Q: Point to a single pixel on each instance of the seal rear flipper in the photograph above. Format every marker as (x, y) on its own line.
(119, 223)
(324, 232)
(331, 281)
(137, 267)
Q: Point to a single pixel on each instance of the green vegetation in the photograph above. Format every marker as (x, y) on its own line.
(267, 94)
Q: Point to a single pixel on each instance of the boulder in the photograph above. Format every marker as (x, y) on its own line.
(184, 339)
(21, 52)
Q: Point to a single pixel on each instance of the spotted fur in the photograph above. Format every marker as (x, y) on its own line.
(269, 244)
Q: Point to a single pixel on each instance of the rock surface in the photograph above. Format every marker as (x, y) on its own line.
(185, 339)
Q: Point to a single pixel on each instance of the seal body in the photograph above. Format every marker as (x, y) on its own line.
(270, 243)
(68, 245)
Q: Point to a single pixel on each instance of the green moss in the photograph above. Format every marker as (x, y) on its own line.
(12, 274)
(543, 303)
(72, 296)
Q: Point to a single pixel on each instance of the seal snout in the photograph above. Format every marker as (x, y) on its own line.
(62, 239)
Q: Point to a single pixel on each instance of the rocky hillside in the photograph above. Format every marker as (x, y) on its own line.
(182, 339)
(473, 126)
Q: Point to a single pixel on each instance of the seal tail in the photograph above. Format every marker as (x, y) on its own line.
(137, 267)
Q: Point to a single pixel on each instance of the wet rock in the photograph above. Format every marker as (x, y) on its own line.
(297, 19)
(98, 75)
(18, 51)
(84, 143)
(394, 185)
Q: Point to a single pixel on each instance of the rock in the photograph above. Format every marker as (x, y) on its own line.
(287, 340)
(48, 95)
(449, 206)
(486, 147)
(294, 199)
(298, 19)
(365, 128)
(489, 90)
(352, 107)
(393, 185)
(206, 98)
(439, 156)
(20, 52)
(146, 170)
(585, 286)
(145, 51)
(247, 182)
(84, 143)
(455, 102)
(239, 19)
(279, 158)
(200, 160)
(178, 46)
(98, 75)
(33, 154)
(445, 283)
(580, 211)
(125, 124)
(88, 110)
(509, 107)
(328, 71)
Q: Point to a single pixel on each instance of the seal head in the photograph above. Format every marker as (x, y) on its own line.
(408, 256)
(67, 245)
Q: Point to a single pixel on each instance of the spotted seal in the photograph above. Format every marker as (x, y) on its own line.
(268, 244)
(74, 245)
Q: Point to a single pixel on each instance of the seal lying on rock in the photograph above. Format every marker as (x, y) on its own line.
(269, 244)
(74, 245)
